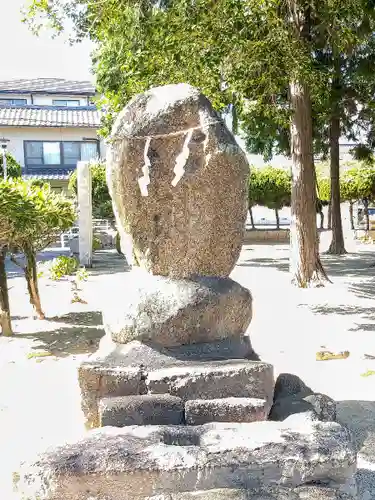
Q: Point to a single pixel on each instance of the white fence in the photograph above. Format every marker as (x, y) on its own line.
(99, 225)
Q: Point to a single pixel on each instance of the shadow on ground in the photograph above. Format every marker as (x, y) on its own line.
(79, 333)
(357, 265)
(108, 262)
(359, 417)
(104, 262)
(365, 290)
(279, 264)
(64, 341)
(85, 318)
(365, 313)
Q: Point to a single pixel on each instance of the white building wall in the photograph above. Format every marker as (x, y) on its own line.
(17, 135)
(47, 100)
(17, 96)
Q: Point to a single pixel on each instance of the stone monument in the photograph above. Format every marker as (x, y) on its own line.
(179, 400)
(84, 183)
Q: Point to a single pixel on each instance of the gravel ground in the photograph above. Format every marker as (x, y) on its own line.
(39, 397)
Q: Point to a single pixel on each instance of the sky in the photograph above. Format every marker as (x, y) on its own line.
(24, 55)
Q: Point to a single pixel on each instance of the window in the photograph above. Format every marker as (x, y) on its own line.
(89, 150)
(34, 153)
(62, 154)
(51, 153)
(64, 102)
(71, 153)
(15, 102)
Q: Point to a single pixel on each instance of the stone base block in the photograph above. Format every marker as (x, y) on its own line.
(141, 410)
(145, 461)
(137, 368)
(214, 380)
(100, 379)
(202, 411)
(271, 493)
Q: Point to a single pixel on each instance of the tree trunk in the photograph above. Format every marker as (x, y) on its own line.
(305, 265)
(337, 246)
(277, 218)
(251, 217)
(366, 215)
(321, 214)
(351, 215)
(118, 244)
(5, 321)
(31, 276)
(329, 222)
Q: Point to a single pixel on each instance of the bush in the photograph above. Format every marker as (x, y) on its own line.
(13, 167)
(96, 243)
(32, 217)
(270, 187)
(63, 266)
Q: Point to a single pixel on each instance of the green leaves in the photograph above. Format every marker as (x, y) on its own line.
(356, 183)
(32, 216)
(13, 168)
(250, 50)
(269, 187)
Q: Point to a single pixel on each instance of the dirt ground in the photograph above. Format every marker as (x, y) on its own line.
(39, 396)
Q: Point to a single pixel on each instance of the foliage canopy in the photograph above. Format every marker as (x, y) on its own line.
(13, 167)
(32, 216)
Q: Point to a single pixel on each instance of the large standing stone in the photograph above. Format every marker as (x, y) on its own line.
(138, 462)
(178, 181)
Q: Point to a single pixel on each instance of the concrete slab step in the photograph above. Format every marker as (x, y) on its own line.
(202, 411)
(154, 409)
(214, 380)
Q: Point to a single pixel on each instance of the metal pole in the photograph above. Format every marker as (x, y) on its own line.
(5, 164)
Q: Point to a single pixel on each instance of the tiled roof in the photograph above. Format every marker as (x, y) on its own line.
(49, 174)
(47, 86)
(49, 116)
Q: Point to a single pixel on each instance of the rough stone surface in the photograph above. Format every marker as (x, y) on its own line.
(121, 369)
(320, 405)
(173, 312)
(201, 411)
(153, 356)
(100, 379)
(133, 462)
(288, 384)
(141, 410)
(190, 218)
(324, 406)
(271, 493)
(220, 379)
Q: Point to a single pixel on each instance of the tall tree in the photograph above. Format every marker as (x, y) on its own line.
(343, 54)
(13, 221)
(259, 54)
(31, 218)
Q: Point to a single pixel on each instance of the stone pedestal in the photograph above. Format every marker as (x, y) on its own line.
(208, 390)
(260, 460)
